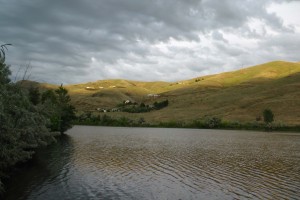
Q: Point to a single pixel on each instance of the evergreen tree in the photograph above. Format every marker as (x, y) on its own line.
(66, 112)
(49, 96)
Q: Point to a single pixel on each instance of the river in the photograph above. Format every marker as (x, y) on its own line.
(156, 163)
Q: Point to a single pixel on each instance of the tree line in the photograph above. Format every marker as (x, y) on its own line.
(28, 119)
(142, 107)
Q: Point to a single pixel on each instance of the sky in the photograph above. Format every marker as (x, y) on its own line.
(76, 41)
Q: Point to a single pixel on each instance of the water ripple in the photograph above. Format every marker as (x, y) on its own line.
(124, 163)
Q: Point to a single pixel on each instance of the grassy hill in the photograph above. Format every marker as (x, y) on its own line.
(237, 96)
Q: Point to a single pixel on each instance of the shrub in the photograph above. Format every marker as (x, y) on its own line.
(24, 121)
(34, 95)
(160, 105)
(268, 116)
(212, 122)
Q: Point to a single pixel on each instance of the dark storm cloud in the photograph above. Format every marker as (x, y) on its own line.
(73, 40)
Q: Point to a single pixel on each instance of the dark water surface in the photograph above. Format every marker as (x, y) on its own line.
(154, 163)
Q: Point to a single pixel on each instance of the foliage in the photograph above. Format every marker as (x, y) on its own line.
(207, 122)
(4, 69)
(105, 120)
(171, 124)
(160, 105)
(141, 120)
(3, 48)
(142, 105)
(23, 126)
(59, 108)
(268, 116)
(142, 108)
(66, 111)
(25, 122)
(49, 96)
(34, 95)
(213, 122)
(136, 109)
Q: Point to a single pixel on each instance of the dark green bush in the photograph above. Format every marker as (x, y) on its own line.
(25, 122)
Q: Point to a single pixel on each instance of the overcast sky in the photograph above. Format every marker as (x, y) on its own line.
(75, 41)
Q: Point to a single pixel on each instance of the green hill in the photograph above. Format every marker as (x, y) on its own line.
(237, 96)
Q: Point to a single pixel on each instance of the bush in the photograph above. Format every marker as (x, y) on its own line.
(59, 110)
(268, 116)
(24, 121)
(160, 105)
(212, 122)
(23, 127)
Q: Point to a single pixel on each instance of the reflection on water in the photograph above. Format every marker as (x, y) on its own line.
(144, 163)
(47, 165)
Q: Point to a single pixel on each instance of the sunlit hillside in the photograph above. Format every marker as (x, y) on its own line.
(237, 96)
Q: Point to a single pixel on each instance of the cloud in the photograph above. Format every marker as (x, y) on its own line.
(74, 41)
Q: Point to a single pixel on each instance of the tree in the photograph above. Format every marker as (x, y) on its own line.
(268, 116)
(22, 124)
(4, 69)
(34, 95)
(160, 105)
(142, 105)
(49, 97)
(58, 109)
(66, 112)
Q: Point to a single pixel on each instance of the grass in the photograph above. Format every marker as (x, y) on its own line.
(240, 95)
(203, 123)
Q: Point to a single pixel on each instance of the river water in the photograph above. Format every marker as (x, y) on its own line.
(154, 163)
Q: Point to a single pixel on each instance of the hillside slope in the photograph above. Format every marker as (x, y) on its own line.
(237, 96)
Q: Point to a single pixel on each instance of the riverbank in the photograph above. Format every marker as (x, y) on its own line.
(204, 123)
(20, 163)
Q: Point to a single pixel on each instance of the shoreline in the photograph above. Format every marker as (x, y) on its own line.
(226, 126)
